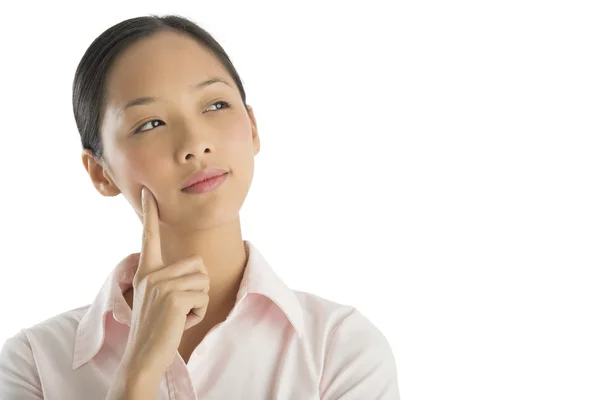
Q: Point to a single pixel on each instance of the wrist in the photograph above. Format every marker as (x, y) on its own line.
(140, 381)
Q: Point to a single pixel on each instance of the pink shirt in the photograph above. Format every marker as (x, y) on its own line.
(275, 344)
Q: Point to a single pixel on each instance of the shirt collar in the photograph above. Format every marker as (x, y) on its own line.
(259, 278)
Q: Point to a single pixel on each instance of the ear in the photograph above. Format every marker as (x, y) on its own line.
(255, 137)
(99, 174)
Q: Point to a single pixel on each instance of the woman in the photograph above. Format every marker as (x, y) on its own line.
(198, 313)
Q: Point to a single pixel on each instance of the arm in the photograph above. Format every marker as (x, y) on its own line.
(134, 382)
(19, 378)
(359, 363)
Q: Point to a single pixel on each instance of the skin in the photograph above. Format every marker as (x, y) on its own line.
(192, 133)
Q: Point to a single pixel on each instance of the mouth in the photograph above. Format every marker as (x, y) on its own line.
(206, 185)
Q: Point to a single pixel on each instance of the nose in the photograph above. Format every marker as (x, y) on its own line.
(190, 155)
(193, 144)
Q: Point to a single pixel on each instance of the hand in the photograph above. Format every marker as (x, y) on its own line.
(167, 299)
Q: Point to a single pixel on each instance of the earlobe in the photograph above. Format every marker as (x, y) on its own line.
(255, 137)
(256, 144)
(98, 174)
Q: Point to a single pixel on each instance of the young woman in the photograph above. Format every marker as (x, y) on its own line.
(198, 313)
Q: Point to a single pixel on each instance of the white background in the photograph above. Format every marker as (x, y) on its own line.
(434, 164)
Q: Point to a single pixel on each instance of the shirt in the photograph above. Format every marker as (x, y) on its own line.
(276, 343)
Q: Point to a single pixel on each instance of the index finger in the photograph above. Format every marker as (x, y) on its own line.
(150, 255)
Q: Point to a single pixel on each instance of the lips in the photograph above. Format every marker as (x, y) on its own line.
(206, 186)
(203, 175)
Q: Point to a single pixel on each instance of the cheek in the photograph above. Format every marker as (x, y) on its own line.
(137, 165)
(137, 168)
(240, 150)
(239, 138)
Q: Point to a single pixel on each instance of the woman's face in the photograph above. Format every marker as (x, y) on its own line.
(177, 128)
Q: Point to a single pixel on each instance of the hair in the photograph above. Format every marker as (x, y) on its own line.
(89, 84)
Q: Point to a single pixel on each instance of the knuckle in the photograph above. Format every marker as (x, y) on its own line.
(171, 300)
(201, 281)
(162, 289)
(203, 297)
(151, 280)
(198, 260)
(139, 280)
(136, 283)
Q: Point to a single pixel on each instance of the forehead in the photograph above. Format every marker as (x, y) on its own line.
(165, 61)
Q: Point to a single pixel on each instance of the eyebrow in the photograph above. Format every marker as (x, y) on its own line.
(140, 101)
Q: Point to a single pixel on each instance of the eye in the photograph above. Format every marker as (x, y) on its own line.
(219, 105)
(150, 125)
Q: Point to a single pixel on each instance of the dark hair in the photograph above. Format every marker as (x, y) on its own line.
(90, 76)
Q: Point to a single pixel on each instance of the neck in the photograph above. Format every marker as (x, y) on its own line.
(223, 252)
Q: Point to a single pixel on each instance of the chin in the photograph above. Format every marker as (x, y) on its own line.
(201, 218)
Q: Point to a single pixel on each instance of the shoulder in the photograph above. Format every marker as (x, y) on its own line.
(357, 358)
(342, 328)
(336, 319)
(317, 310)
(60, 327)
(21, 354)
(50, 335)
